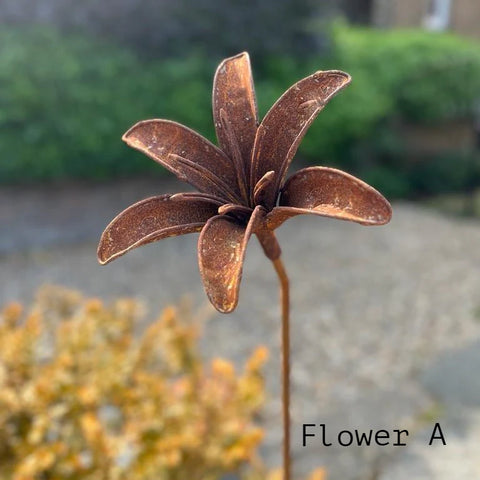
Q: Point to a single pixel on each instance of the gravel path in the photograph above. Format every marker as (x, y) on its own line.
(372, 310)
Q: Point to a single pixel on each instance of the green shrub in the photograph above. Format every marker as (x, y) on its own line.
(445, 173)
(426, 76)
(66, 101)
(399, 77)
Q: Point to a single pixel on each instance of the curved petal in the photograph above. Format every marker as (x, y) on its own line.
(235, 111)
(221, 250)
(187, 154)
(153, 219)
(262, 186)
(330, 193)
(284, 126)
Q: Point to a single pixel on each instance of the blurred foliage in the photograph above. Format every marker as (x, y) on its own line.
(277, 474)
(66, 101)
(417, 75)
(400, 77)
(164, 28)
(81, 397)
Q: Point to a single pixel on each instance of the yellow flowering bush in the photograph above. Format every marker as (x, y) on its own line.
(83, 397)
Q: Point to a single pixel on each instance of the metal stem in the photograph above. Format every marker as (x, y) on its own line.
(284, 288)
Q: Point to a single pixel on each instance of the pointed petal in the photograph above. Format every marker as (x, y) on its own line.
(330, 193)
(235, 110)
(261, 188)
(187, 154)
(221, 251)
(284, 126)
(152, 219)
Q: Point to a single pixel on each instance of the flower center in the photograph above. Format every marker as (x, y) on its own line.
(239, 212)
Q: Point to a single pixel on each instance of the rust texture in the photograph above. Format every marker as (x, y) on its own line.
(242, 184)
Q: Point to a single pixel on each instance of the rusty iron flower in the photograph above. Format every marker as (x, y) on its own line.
(242, 185)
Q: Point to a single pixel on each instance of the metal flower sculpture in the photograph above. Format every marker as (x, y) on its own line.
(242, 187)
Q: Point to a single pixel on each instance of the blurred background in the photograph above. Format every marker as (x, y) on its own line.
(385, 321)
(76, 75)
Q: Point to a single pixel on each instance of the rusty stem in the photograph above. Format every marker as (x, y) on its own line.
(284, 288)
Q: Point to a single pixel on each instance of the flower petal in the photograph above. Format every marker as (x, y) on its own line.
(153, 219)
(221, 250)
(235, 111)
(284, 126)
(261, 187)
(330, 193)
(187, 154)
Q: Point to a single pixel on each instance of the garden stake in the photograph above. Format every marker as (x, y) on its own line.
(242, 188)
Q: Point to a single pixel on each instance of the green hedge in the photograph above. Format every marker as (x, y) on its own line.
(400, 77)
(66, 101)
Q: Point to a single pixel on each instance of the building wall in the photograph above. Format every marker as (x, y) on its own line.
(382, 12)
(464, 15)
(409, 13)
